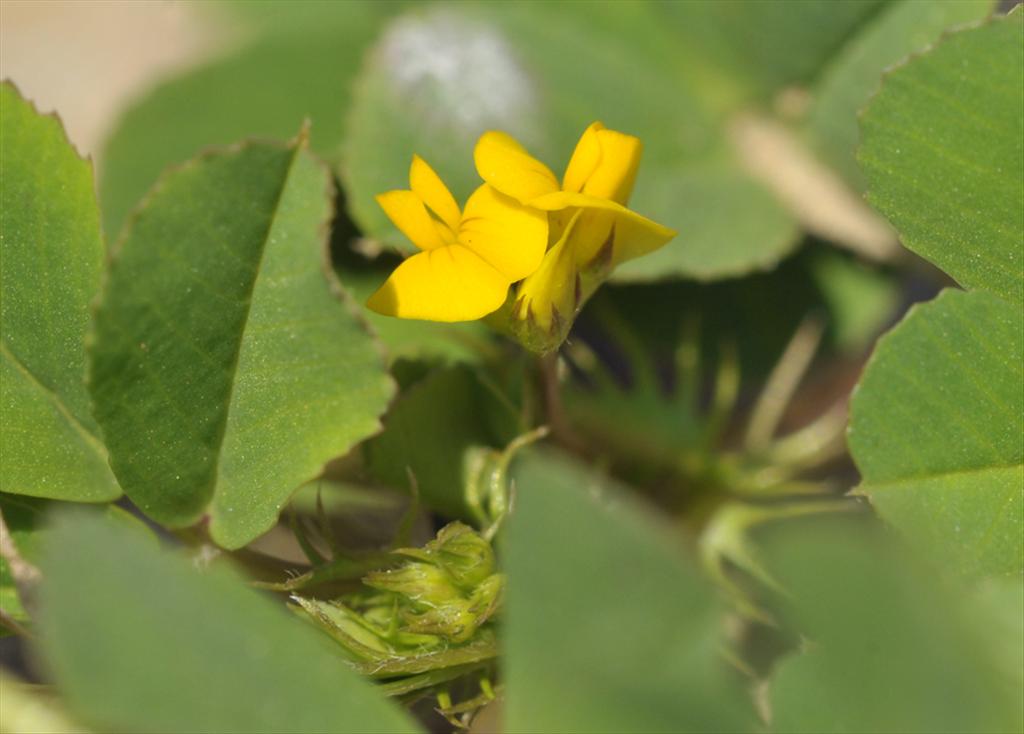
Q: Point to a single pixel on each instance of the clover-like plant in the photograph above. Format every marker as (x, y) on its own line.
(298, 437)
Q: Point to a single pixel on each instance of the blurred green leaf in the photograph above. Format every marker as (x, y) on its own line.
(225, 372)
(740, 50)
(859, 299)
(429, 433)
(26, 520)
(943, 148)
(728, 224)
(52, 259)
(437, 79)
(264, 89)
(852, 76)
(611, 61)
(937, 430)
(607, 627)
(893, 648)
(139, 641)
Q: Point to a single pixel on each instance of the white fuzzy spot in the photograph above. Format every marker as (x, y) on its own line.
(458, 73)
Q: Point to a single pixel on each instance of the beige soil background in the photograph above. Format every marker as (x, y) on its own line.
(87, 59)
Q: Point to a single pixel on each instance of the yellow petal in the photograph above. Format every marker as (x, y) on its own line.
(505, 165)
(584, 159)
(427, 185)
(564, 199)
(409, 214)
(633, 235)
(443, 284)
(548, 299)
(636, 236)
(592, 239)
(614, 175)
(509, 236)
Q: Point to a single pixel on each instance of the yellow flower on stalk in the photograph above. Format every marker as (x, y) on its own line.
(591, 229)
(468, 257)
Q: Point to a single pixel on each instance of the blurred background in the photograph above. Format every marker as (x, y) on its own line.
(88, 59)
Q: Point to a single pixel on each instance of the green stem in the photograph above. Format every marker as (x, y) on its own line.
(782, 384)
(557, 418)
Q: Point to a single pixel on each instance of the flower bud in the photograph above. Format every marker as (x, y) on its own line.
(486, 597)
(460, 552)
(466, 556)
(455, 621)
(421, 583)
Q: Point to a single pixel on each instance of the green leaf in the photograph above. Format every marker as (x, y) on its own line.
(937, 430)
(429, 433)
(852, 75)
(25, 519)
(860, 299)
(139, 641)
(607, 627)
(714, 240)
(893, 647)
(52, 258)
(943, 148)
(225, 372)
(437, 80)
(265, 89)
(741, 50)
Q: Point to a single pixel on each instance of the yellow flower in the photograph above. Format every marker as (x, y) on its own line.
(590, 226)
(469, 258)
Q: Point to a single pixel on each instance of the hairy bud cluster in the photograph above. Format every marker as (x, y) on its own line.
(448, 588)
